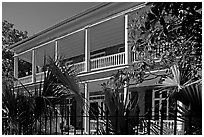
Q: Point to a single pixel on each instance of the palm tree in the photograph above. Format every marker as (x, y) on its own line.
(187, 90)
(30, 110)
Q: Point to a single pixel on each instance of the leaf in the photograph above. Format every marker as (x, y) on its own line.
(162, 22)
(151, 17)
(147, 25)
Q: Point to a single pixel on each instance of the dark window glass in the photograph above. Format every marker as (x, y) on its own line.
(164, 107)
(164, 94)
(157, 94)
(156, 110)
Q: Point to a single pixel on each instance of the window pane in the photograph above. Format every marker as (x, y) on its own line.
(156, 110)
(164, 107)
(157, 94)
(164, 94)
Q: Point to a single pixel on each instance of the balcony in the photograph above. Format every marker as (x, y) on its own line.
(104, 62)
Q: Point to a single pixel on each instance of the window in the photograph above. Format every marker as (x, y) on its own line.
(159, 101)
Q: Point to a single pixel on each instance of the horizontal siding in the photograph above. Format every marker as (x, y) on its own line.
(107, 34)
(72, 45)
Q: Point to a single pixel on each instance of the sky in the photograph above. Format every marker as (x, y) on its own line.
(34, 17)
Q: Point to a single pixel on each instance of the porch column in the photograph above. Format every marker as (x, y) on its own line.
(33, 66)
(86, 108)
(87, 50)
(127, 47)
(127, 57)
(16, 66)
(56, 50)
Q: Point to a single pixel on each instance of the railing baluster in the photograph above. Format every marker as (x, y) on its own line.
(175, 119)
(45, 122)
(162, 118)
(97, 123)
(116, 121)
(68, 114)
(50, 122)
(107, 130)
(82, 122)
(56, 116)
(149, 121)
(62, 122)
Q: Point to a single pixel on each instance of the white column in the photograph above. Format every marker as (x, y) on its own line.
(126, 93)
(127, 48)
(87, 50)
(56, 50)
(127, 57)
(33, 66)
(16, 66)
(86, 108)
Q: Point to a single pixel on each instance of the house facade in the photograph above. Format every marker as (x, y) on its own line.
(96, 43)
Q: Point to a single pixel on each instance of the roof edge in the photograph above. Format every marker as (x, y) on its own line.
(101, 5)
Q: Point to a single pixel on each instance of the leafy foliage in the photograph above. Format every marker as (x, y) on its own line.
(30, 109)
(189, 93)
(173, 27)
(10, 35)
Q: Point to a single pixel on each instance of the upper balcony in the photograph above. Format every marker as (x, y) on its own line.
(99, 63)
(79, 44)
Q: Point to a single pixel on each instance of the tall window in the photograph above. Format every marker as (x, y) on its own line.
(160, 102)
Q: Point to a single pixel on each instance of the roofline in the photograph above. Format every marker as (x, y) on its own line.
(101, 5)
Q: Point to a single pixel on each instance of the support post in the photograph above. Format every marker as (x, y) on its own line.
(86, 109)
(127, 48)
(162, 120)
(87, 50)
(149, 121)
(16, 66)
(126, 93)
(56, 50)
(33, 66)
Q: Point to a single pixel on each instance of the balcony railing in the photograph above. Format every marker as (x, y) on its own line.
(95, 64)
(108, 61)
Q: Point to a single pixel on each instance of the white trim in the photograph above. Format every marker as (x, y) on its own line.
(16, 66)
(127, 52)
(86, 108)
(95, 72)
(87, 50)
(33, 66)
(93, 80)
(56, 50)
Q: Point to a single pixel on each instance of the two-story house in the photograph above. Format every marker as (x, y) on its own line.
(96, 43)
